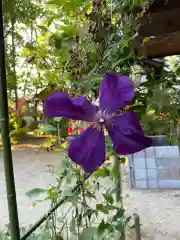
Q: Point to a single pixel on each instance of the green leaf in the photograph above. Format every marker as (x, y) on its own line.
(120, 225)
(73, 226)
(89, 212)
(120, 213)
(35, 192)
(108, 198)
(68, 192)
(43, 28)
(52, 191)
(47, 128)
(28, 119)
(102, 208)
(146, 39)
(128, 220)
(115, 172)
(124, 43)
(57, 119)
(122, 160)
(19, 132)
(36, 202)
(64, 165)
(57, 2)
(104, 226)
(102, 172)
(88, 233)
(90, 195)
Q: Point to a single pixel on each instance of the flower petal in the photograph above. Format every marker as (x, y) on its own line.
(88, 149)
(115, 92)
(61, 105)
(127, 135)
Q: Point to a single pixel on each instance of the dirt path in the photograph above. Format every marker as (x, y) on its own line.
(30, 167)
(159, 210)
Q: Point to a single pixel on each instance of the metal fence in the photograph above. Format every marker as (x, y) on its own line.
(7, 154)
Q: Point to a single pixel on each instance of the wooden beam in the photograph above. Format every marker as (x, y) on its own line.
(162, 5)
(162, 46)
(160, 23)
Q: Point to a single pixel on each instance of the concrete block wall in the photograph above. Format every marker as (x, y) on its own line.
(155, 167)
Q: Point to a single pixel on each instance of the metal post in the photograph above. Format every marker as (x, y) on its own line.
(137, 227)
(4, 120)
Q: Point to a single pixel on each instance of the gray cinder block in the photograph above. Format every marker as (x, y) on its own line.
(152, 174)
(164, 163)
(152, 184)
(139, 163)
(151, 162)
(155, 167)
(150, 152)
(140, 174)
(164, 174)
(173, 184)
(141, 184)
(140, 154)
(167, 151)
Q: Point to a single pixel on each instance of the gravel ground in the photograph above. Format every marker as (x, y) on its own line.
(159, 210)
(30, 168)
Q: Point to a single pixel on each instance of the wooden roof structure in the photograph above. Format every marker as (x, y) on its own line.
(158, 34)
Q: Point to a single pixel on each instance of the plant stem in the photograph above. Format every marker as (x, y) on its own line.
(118, 184)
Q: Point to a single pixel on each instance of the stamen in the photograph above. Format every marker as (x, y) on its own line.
(101, 120)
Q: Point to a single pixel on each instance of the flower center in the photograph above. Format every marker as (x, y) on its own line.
(101, 120)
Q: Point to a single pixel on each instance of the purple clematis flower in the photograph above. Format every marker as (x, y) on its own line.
(88, 149)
